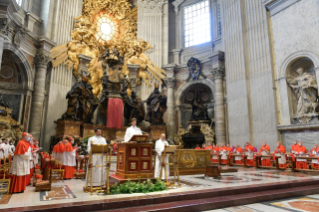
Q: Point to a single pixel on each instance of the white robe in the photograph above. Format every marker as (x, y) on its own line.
(13, 148)
(316, 155)
(1, 150)
(130, 132)
(238, 157)
(159, 148)
(99, 173)
(223, 154)
(69, 158)
(6, 150)
(21, 164)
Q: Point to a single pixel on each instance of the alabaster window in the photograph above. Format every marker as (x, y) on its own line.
(197, 28)
(107, 28)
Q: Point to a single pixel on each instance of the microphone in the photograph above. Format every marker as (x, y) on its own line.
(170, 141)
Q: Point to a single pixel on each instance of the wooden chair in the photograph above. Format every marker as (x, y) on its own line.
(45, 185)
(59, 169)
(5, 178)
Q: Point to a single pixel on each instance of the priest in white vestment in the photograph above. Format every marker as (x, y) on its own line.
(159, 148)
(6, 148)
(20, 167)
(98, 173)
(132, 130)
(1, 149)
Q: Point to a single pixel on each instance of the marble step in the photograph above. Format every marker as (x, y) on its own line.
(186, 201)
(223, 201)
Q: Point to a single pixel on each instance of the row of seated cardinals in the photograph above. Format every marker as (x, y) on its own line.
(25, 161)
(297, 149)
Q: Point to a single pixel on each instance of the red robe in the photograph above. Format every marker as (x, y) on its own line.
(265, 161)
(68, 170)
(19, 183)
(295, 147)
(250, 162)
(240, 150)
(281, 149)
(198, 148)
(302, 164)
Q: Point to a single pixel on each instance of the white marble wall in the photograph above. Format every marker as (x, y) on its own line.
(249, 79)
(61, 78)
(295, 30)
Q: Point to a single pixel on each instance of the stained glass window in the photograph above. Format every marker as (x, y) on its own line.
(197, 24)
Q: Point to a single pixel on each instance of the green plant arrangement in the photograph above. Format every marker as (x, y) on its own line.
(130, 187)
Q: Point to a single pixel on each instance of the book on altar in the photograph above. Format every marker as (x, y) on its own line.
(139, 138)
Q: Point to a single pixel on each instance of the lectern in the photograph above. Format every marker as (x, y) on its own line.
(134, 159)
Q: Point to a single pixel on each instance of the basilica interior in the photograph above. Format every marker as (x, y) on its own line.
(203, 72)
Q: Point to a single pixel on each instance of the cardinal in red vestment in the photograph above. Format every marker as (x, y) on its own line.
(265, 150)
(301, 163)
(20, 167)
(69, 159)
(281, 151)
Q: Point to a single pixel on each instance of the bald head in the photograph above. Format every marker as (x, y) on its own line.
(300, 143)
(163, 137)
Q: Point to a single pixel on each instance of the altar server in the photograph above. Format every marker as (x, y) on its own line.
(265, 150)
(281, 151)
(20, 167)
(159, 148)
(7, 148)
(315, 152)
(132, 130)
(69, 157)
(301, 163)
(99, 173)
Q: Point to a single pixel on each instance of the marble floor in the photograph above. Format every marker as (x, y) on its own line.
(250, 176)
(308, 203)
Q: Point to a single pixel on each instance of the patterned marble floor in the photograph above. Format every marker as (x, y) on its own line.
(243, 177)
(301, 204)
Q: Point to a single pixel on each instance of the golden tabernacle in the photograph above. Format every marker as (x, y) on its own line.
(191, 161)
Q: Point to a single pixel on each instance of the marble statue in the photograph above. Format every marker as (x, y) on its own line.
(156, 107)
(306, 89)
(199, 111)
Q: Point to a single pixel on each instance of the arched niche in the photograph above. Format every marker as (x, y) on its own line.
(16, 83)
(188, 92)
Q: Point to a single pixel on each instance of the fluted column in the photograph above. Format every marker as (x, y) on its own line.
(219, 110)
(38, 96)
(170, 82)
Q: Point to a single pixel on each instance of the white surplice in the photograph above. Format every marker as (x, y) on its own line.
(1, 150)
(130, 132)
(159, 148)
(6, 150)
(21, 164)
(99, 173)
(316, 155)
(69, 158)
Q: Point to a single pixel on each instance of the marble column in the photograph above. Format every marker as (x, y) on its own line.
(4, 30)
(219, 110)
(38, 96)
(170, 82)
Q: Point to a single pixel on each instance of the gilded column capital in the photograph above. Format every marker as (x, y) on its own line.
(218, 73)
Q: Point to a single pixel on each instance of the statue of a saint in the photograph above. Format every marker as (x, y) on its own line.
(156, 106)
(133, 106)
(306, 89)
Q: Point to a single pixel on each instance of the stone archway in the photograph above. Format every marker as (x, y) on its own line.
(17, 88)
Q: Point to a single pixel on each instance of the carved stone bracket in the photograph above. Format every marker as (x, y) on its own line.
(218, 72)
(42, 60)
(153, 6)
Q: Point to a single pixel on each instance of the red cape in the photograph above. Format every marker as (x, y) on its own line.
(68, 147)
(21, 148)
